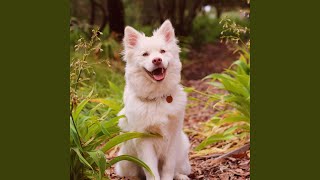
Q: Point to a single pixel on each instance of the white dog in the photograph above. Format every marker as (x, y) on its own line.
(154, 103)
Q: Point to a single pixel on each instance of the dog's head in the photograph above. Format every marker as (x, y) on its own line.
(152, 61)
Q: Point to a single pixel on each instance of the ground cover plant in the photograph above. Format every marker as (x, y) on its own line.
(233, 106)
(232, 121)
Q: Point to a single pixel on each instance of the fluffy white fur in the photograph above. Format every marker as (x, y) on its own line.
(147, 110)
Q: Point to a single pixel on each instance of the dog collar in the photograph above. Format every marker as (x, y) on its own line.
(169, 99)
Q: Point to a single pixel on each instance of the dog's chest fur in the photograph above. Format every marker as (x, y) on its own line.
(156, 116)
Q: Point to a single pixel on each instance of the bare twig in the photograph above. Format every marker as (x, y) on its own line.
(236, 151)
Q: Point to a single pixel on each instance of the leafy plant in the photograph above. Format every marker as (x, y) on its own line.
(236, 103)
(91, 136)
(234, 106)
(206, 28)
(93, 119)
(234, 32)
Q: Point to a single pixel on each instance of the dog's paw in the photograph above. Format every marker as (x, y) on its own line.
(181, 177)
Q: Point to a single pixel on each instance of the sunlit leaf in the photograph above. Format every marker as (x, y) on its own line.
(100, 160)
(132, 159)
(213, 139)
(125, 137)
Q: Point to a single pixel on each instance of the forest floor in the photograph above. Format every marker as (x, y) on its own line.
(210, 59)
(204, 61)
(205, 165)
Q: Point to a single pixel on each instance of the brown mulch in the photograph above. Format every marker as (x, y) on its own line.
(208, 59)
(234, 167)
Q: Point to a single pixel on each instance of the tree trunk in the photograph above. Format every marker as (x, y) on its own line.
(219, 12)
(93, 12)
(116, 18)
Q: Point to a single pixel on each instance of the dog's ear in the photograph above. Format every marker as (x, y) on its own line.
(131, 37)
(167, 31)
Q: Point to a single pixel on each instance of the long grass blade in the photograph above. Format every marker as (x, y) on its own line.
(125, 137)
(132, 159)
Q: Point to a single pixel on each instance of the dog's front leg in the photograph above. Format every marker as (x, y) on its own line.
(169, 163)
(148, 155)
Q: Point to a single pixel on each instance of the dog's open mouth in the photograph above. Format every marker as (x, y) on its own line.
(157, 74)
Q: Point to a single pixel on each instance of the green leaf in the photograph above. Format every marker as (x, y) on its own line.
(110, 126)
(235, 118)
(242, 65)
(113, 87)
(110, 103)
(83, 130)
(188, 89)
(213, 139)
(81, 158)
(193, 98)
(132, 159)
(75, 135)
(94, 109)
(231, 130)
(216, 84)
(79, 109)
(215, 119)
(112, 122)
(125, 137)
(100, 160)
(82, 120)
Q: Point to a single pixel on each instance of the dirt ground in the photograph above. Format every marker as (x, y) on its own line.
(206, 167)
(209, 59)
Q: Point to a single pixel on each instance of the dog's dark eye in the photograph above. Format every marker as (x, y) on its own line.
(145, 54)
(162, 51)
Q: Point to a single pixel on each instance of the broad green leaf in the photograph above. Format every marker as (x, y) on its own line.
(125, 137)
(79, 109)
(83, 130)
(216, 84)
(231, 130)
(94, 109)
(82, 120)
(242, 65)
(132, 159)
(100, 160)
(235, 118)
(215, 119)
(213, 139)
(110, 126)
(110, 103)
(188, 89)
(81, 158)
(75, 135)
(245, 127)
(112, 122)
(193, 98)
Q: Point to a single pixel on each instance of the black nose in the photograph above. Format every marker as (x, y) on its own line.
(157, 61)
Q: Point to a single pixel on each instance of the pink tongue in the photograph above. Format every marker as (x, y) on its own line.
(158, 77)
(158, 74)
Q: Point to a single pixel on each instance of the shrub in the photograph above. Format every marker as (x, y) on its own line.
(207, 28)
